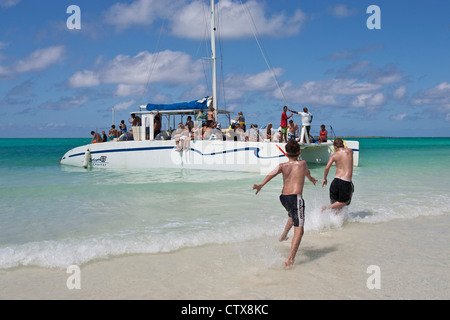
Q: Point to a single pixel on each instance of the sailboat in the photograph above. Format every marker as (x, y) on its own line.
(215, 152)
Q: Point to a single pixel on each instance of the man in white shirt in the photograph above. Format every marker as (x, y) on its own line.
(307, 118)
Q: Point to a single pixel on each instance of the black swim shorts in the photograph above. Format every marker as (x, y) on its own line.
(295, 206)
(341, 191)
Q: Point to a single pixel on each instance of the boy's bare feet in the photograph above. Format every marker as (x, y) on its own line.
(289, 263)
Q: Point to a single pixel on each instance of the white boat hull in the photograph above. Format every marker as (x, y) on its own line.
(203, 155)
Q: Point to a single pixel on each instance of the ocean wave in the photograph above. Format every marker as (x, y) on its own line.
(61, 254)
(71, 251)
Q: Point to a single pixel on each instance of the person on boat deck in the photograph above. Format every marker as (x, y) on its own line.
(197, 131)
(113, 133)
(215, 132)
(284, 124)
(277, 136)
(229, 135)
(269, 132)
(127, 136)
(253, 133)
(97, 138)
(157, 124)
(123, 126)
(181, 137)
(211, 116)
(323, 134)
(135, 120)
(307, 118)
(201, 117)
(241, 120)
(104, 137)
(239, 133)
(189, 124)
(292, 130)
(210, 132)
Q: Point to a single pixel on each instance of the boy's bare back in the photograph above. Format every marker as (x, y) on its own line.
(343, 159)
(294, 173)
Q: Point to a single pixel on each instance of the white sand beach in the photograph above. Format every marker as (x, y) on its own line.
(412, 256)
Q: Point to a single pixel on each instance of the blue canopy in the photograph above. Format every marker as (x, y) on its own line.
(193, 105)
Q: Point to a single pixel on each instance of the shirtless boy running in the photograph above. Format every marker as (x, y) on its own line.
(341, 189)
(294, 173)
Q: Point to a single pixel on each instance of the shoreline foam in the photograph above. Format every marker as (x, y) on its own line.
(412, 256)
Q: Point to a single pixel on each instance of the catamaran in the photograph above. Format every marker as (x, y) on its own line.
(216, 153)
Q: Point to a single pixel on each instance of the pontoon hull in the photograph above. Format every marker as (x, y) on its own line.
(205, 155)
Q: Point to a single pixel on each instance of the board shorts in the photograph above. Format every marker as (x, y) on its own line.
(291, 136)
(295, 206)
(284, 129)
(341, 191)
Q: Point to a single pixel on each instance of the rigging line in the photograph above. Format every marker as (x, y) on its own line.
(269, 65)
(222, 78)
(155, 60)
(222, 82)
(203, 45)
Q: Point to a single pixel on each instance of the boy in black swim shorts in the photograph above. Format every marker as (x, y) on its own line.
(341, 189)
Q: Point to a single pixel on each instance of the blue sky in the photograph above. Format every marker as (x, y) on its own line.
(61, 82)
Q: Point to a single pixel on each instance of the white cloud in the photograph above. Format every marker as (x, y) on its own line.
(330, 92)
(234, 21)
(308, 93)
(353, 53)
(400, 92)
(341, 11)
(369, 100)
(139, 12)
(387, 75)
(399, 117)
(169, 67)
(85, 78)
(36, 61)
(65, 103)
(438, 96)
(52, 125)
(126, 90)
(124, 105)
(189, 19)
(236, 85)
(8, 3)
(40, 59)
(4, 71)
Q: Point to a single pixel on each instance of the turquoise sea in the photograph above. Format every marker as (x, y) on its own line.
(56, 216)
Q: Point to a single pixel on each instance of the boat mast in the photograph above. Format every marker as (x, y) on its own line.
(213, 58)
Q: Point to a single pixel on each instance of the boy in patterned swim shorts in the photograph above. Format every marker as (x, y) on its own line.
(294, 172)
